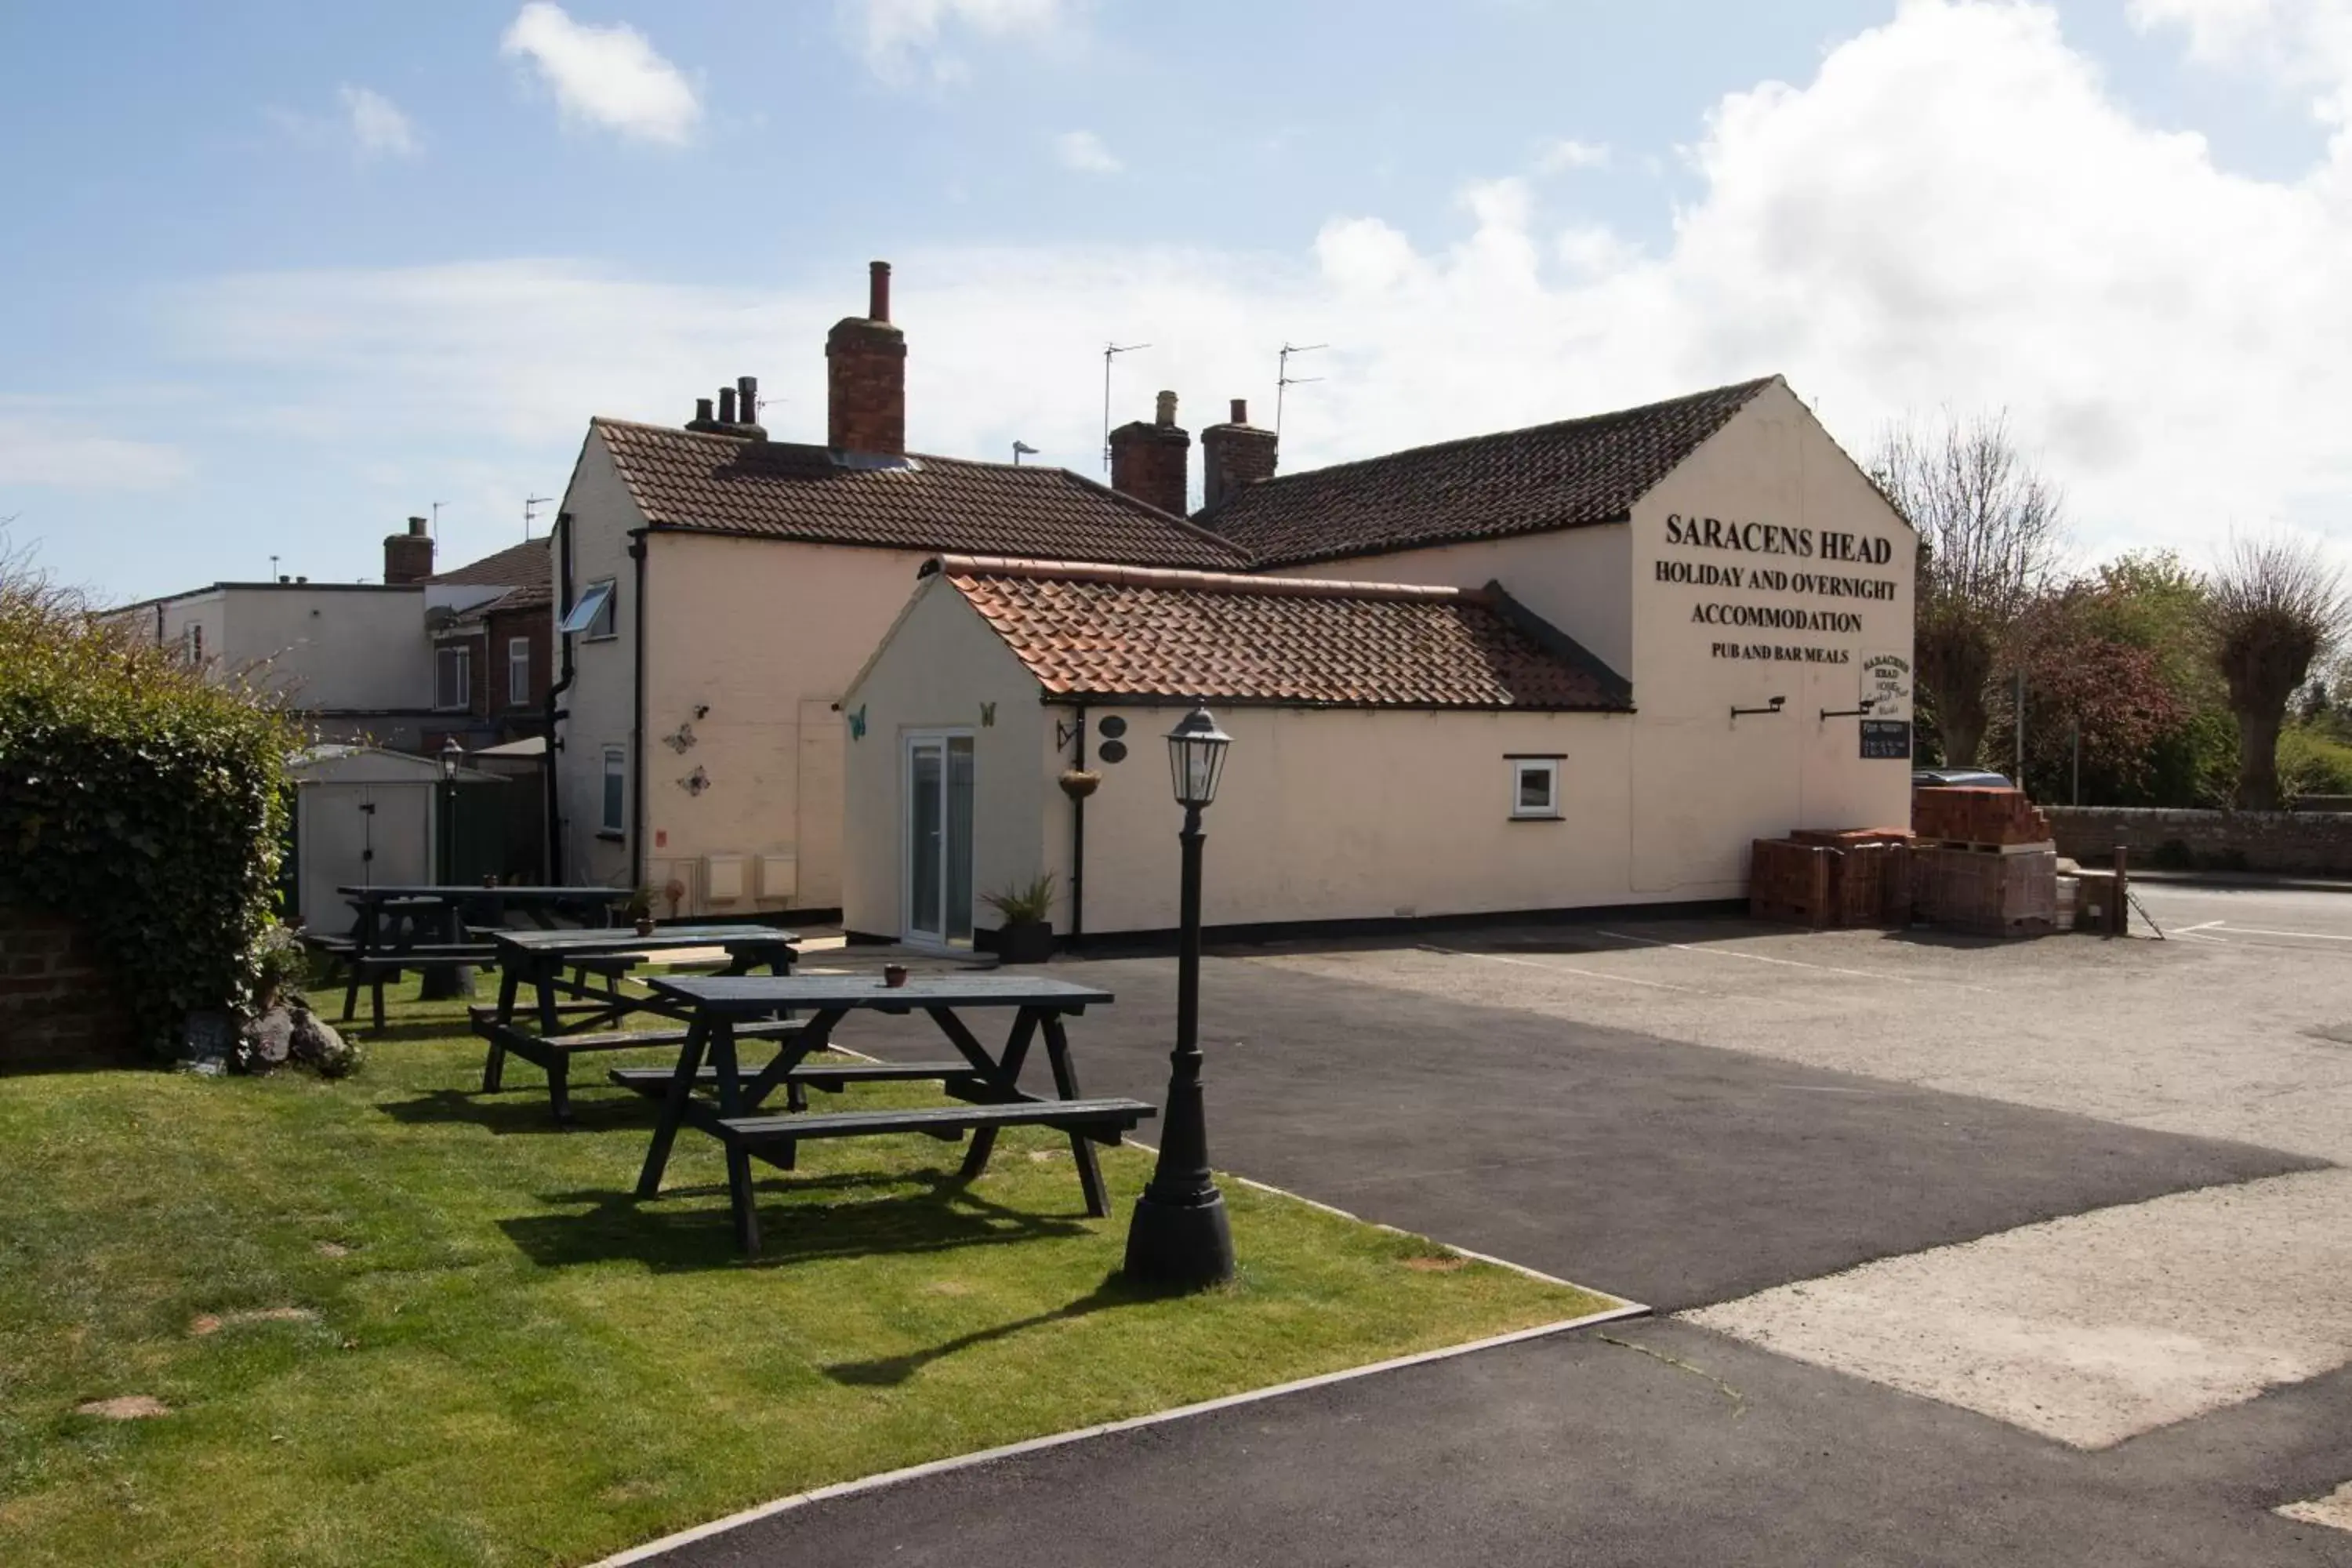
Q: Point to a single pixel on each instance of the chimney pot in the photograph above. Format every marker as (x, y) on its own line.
(1241, 411)
(747, 398)
(407, 557)
(878, 300)
(702, 414)
(416, 528)
(1166, 414)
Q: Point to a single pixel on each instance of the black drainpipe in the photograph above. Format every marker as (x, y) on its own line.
(556, 715)
(637, 723)
(1078, 844)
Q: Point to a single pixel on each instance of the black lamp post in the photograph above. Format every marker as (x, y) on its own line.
(445, 983)
(1179, 1237)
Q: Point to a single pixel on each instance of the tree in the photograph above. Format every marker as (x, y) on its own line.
(2087, 676)
(2274, 607)
(1991, 536)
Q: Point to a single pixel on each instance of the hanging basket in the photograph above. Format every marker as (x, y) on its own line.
(1080, 783)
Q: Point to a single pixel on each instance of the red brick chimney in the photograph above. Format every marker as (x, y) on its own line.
(865, 377)
(1233, 454)
(1153, 462)
(408, 557)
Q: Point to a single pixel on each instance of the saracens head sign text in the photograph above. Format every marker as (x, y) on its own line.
(1777, 538)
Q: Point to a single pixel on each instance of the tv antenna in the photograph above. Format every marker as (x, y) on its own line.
(1022, 449)
(1111, 351)
(531, 505)
(273, 569)
(1284, 381)
(436, 519)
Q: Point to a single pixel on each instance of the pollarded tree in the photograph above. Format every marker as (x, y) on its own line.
(1991, 537)
(2274, 607)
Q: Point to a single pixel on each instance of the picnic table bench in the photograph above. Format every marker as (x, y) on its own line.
(724, 1009)
(589, 1021)
(400, 927)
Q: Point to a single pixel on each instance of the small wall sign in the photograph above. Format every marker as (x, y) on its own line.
(1886, 739)
(1113, 751)
(1886, 685)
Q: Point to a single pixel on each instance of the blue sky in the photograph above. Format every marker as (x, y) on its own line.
(281, 275)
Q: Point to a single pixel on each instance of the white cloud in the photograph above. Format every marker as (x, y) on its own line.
(892, 33)
(49, 449)
(1953, 211)
(1084, 151)
(608, 76)
(1560, 156)
(377, 124)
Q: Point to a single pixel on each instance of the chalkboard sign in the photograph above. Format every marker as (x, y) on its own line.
(1886, 738)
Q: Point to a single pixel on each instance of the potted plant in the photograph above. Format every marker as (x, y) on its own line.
(1028, 934)
(640, 911)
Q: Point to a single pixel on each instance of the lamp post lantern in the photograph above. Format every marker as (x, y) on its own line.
(1179, 1237)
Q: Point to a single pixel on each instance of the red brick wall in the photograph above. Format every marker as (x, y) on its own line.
(1152, 463)
(539, 626)
(57, 1003)
(866, 388)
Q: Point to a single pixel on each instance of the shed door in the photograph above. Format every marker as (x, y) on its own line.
(357, 835)
(937, 839)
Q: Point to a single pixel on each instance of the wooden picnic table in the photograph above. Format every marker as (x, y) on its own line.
(422, 926)
(537, 959)
(722, 1007)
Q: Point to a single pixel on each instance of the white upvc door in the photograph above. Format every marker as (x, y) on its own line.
(938, 838)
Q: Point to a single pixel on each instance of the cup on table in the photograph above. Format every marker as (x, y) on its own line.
(894, 975)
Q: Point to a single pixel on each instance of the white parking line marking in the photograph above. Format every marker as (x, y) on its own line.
(2184, 931)
(1559, 968)
(2258, 931)
(1793, 962)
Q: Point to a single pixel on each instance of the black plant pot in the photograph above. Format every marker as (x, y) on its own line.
(1024, 942)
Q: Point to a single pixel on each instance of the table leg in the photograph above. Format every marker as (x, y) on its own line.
(544, 976)
(1082, 1148)
(494, 1069)
(739, 1160)
(558, 1088)
(673, 1111)
(1005, 1079)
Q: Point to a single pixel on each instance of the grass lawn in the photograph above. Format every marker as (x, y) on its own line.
(396, 1321)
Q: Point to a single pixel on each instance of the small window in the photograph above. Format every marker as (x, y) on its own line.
(517, 672)
(453, 678)
(1535, 787)
(617, 772)
(592, 615)
(195, 642)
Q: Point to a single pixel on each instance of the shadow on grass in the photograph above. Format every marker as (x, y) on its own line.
(941, 1214)
(523, 1108)
(888, 1371)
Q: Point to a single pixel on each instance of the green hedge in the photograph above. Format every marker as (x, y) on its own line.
(141, 799)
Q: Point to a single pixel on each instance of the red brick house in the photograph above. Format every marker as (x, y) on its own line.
(492, 661)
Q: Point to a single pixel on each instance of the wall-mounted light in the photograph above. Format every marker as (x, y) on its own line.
(1771, 705)
(1861, 712)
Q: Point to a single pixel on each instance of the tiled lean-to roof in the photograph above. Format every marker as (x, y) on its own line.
(1566, 474)
(690, 480)
(1113, 633)
(526, 570)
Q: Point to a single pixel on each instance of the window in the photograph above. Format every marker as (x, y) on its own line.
(195, 642)
(593, 613)
(616, 775)
(453, 678)
(1535, 788)
(517, 672)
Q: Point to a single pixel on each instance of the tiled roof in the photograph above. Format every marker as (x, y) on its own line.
(1566, 474)
(1124, 633)
(780, 490)
(527, 569)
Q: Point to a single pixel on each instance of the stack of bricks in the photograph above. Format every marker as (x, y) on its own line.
(1831, 877)
(57, 1004)
(1984, 864)
(1992, 817)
